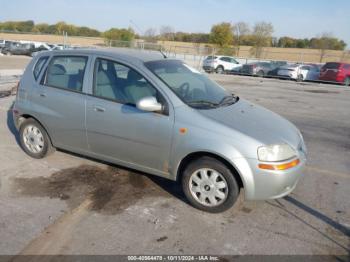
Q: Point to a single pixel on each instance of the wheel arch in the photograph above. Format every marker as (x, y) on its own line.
(24, 117)
(196, 155)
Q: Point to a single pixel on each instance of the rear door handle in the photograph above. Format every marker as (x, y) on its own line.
(42, 95)
(99, 109)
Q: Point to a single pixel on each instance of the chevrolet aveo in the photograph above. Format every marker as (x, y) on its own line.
(160, 116)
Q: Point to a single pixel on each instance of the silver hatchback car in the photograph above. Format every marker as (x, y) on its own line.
(160, 116)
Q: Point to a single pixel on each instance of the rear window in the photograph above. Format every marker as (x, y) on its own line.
(332, 65)
(211, 57)
(39, 66)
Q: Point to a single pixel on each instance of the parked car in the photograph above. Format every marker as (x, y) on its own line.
(15, 48)
(299, 72)
(336, 72)
(257, 68)
(276, 65)
(2, 43)
(220, 64)
(159, 116)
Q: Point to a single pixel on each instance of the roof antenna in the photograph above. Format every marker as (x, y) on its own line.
(164, 55)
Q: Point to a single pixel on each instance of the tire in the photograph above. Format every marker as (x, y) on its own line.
(34, 139)
(199, 191)
(300, 78)
(347, 81)
(220, 70)
(260, 73)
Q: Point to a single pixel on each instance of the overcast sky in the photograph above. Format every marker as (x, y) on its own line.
(295, 18)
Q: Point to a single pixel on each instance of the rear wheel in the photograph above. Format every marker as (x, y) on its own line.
(220, 70)
(260, 73)
(209, 185)
(300, 78)
(34, 139)
(347, 81)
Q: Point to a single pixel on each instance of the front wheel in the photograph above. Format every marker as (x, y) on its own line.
(34, 139)
(347, 81)
(209, 185)
(220, 70)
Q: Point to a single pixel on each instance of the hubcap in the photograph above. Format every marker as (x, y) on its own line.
(33, 139)
(208, 187)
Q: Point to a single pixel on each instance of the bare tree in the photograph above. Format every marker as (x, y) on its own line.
(262, 35)
(240, 30)
(150, 34)
(326, 42)
(167, 32)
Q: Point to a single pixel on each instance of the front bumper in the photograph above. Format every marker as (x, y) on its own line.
(261, 184)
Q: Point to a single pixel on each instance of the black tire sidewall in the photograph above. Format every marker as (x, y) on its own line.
(260, 73)
(207, 162)
(220, 70)
(47, 142)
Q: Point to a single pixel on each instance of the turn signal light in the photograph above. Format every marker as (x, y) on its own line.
(281, 166)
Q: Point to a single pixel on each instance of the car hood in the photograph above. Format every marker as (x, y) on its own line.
(256, 122)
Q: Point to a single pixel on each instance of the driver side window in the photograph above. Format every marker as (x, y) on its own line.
(120, 83)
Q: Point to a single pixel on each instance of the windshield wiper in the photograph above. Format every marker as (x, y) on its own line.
(202, 103)
(228, 100)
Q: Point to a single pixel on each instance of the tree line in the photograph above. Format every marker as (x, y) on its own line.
(62, 27)
(223, 35)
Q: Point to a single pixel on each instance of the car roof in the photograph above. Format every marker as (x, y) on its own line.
(124, 53)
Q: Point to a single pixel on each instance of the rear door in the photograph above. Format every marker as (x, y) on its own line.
(59, 101)
(329, 71)
(226, 63)
(120, 132)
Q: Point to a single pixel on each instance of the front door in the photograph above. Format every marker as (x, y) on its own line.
(117, 130)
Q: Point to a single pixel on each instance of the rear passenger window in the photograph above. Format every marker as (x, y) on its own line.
(66, 72)
(39, 66)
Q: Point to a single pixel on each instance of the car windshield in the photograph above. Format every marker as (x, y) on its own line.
(191, 86)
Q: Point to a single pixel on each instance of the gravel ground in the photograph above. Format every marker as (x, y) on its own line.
(66, 204)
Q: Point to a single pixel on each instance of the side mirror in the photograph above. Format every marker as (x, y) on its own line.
(149, 104)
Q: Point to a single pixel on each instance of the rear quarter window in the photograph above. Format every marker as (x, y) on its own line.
(39, 66)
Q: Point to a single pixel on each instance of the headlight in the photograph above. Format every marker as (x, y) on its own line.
(275, 153)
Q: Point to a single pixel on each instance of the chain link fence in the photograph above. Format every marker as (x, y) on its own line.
(292, 62)
(278, 63)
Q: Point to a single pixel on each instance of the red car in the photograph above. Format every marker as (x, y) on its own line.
(336, 72)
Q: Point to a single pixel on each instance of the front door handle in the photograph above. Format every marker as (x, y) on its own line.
(42, 95)
(99, 109)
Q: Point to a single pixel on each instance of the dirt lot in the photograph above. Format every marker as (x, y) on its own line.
(66, 204)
